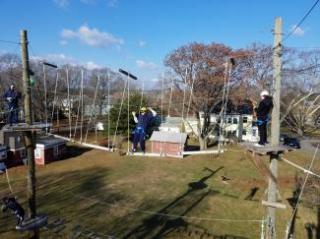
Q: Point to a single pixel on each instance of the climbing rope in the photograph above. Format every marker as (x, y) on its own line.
(302, 189)
(142, 95)
(182, 114)
(69, 103)
(299, 167)
(55, 97)
(170, 97)
(79, 104)
(8, 180)
(93, 108)
(108, 100)
(117, 124)
(128, 141)
(224, 103)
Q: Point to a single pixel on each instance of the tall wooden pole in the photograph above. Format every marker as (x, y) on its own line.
(29, 137)
(45, 96)
(69, 103)
(128, 147)
(275, 127)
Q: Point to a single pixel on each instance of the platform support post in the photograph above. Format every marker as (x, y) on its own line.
(29, 136)
(275, 129)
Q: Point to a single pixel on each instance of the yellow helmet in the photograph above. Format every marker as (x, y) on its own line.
(143, 109)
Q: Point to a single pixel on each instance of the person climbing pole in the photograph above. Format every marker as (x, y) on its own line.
(143, 121)
(263, 116)
(12, 97)
(16, 209)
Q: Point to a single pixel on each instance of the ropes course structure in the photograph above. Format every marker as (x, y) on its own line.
(111, 145)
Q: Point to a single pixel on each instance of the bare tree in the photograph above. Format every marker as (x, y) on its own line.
(201, 69)
(301, 94)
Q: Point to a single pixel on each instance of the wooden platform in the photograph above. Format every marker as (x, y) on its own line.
(33, 223)
(141, 154)
(22, 127)
(266, 150)
(274, 204)
(94, 146)
(201, 152)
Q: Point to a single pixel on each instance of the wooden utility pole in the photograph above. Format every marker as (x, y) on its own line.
(29, 136)
(275, 128)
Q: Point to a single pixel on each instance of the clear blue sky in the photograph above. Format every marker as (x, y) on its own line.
(138, 34)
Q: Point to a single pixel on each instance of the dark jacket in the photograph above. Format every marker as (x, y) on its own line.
(144, 120)
(264, 108)
(14, 206)
(12, 98)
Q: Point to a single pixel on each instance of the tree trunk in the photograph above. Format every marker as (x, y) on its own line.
(300, 132)
(203, 142)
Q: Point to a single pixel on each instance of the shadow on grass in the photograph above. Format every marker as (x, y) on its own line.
(74, 151)
(169, 220)
(74, 197)
(192, 148)
(252, 193)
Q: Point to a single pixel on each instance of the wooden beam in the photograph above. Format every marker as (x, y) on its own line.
(202, 152)
(274, 204)
(93, 146)
(266, 150)
(22, 127)
(140, 154)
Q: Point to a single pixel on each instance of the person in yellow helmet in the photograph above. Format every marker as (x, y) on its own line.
(143, 121)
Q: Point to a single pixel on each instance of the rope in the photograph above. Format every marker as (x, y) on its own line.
(108, 100)
(299, 167)
(223, 104)
(128, 141)
(170, 98)
(8, 180)
(262, 236)
(184, 96)
(191, 93)
(161, 117)
(93, 108)
(162, 79)
(142, 95)
(301, 21)
(45, 96)
(69, 103)
(54, 97)
(79, 104)
(82, 111)
(302, 188)
(117, 125)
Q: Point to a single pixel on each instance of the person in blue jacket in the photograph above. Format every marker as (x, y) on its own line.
(263, 116)
(143, 121)
(12, 97)
(10, 203)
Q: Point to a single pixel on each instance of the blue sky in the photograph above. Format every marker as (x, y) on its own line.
(138, 34)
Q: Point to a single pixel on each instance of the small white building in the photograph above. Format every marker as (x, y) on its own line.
(240, 126)
(174, 124)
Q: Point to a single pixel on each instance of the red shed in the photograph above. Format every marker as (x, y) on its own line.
(49, 149)
(168, 143)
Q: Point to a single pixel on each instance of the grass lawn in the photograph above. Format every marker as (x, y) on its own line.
(100, 193)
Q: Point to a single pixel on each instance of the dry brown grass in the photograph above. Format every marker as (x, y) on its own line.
(108, 194)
